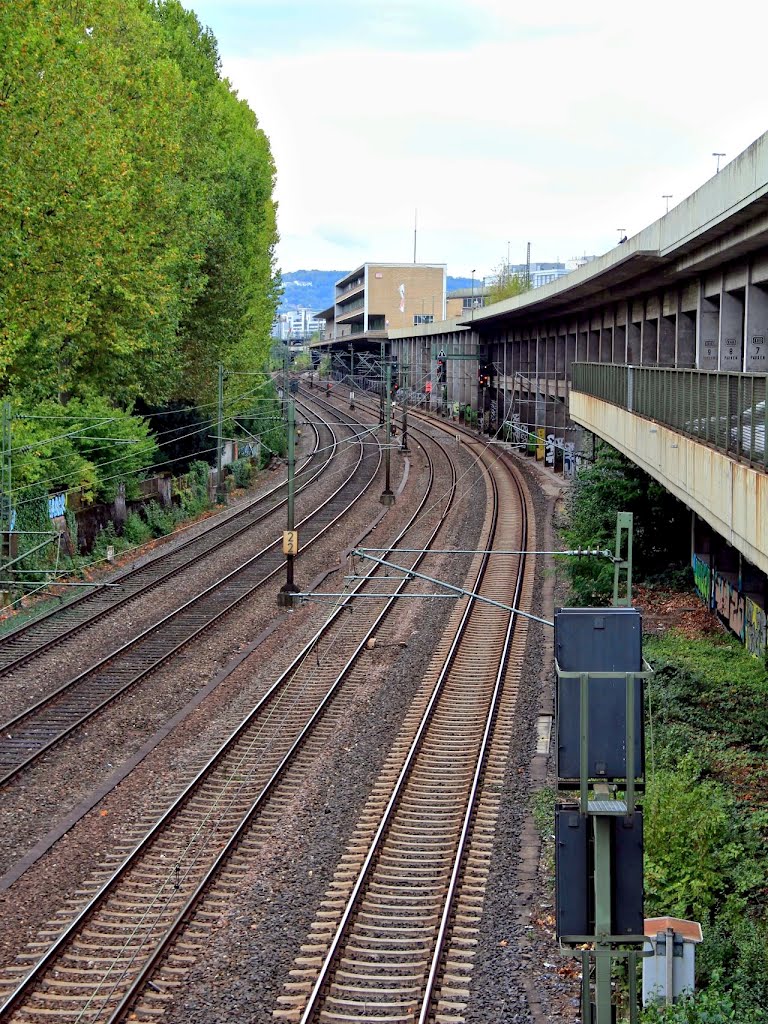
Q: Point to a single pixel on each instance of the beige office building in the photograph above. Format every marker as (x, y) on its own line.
(378, 297)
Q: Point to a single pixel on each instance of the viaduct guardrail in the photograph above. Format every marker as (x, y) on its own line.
(725, 410)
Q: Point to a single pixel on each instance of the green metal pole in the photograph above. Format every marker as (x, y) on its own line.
(387, 497)
(584, 740)
(219, 433)
(285, 595)
(291, 487)
(381, 386)
(602, 832)
(404, 439)
(624, 524)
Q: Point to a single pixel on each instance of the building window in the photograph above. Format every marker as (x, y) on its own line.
(423, 318)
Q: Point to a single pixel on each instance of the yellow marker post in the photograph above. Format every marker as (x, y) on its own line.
(290, 542)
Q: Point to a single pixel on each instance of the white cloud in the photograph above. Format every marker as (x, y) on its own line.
(568, 122)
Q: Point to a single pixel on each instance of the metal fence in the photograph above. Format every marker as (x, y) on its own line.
(725, 410)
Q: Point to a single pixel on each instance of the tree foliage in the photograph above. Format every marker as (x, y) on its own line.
(506, 286)
(136, 214)
(615, 484)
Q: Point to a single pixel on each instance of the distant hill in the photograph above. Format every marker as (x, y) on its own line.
(313, 289)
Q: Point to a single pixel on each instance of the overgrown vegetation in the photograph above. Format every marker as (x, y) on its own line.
(707, 817)
(706, 804)
(661, 526)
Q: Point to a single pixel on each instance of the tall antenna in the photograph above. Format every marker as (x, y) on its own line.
(528, 266)
(415, 221)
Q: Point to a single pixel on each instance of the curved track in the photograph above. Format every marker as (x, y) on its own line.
(390, 916)
(140, 928)
(31, 733)
(33, 638)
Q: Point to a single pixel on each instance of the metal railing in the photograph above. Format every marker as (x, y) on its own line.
(725, 410)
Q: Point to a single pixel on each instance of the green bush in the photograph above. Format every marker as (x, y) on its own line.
(706, 818)
(699, 849)
(136, 531)
(198, 476)
(661, 525)
(106, 538)
(711, 1006)
(159, 520)
(734, 957)
(242, 471)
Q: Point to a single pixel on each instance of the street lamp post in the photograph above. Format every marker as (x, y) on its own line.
(667, 196)
(718, 155)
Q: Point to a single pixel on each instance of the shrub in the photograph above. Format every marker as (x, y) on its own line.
(712, 1006)
(159, 520)
(106, 538)
(242, 471)
(697, 847)
(136, 531)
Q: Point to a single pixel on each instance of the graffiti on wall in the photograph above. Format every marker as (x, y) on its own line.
(756, 628)
(702, 580)
(57, 505)
(567, 453)
(742, 615)
(730, 604)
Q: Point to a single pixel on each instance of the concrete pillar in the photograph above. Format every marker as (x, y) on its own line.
(606, 344)
(593, 346)
(649, 342)
(560, 355)
(582, 347)
(731, 331)
(666, 341)
(756, 314)
(619, 354)
(633, 344)
(570, 353)
(708, 325)
(686, 340)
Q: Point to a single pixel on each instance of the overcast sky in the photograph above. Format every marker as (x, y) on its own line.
(499, 122)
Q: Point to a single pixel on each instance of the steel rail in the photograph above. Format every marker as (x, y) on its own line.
(87, 912)
(43, 744)
(464, 838)
(207, 541)
(341, 934)
(166, 942)
(374, 849)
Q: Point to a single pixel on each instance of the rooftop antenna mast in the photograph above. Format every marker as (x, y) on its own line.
(415, 221)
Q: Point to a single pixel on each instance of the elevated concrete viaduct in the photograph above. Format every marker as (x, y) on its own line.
(660, 346)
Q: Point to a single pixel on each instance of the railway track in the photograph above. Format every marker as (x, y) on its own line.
(135, 932)
(28, 735)
(387, 944)
(33, 638)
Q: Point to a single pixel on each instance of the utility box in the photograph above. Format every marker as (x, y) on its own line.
(598, 640)
(573, 890)
(574, 873)
(669, 971)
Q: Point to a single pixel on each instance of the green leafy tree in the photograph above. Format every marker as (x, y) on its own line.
(137, 227)
(506, 286)
(613, 484)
